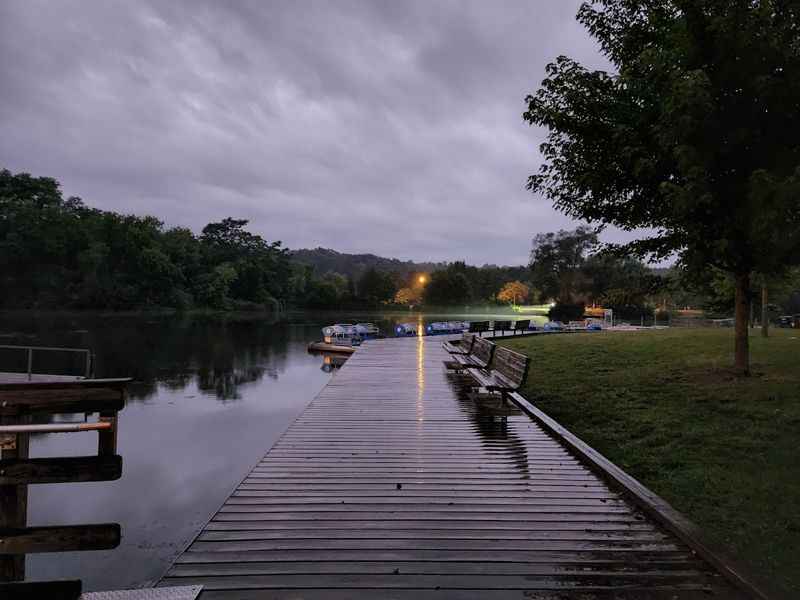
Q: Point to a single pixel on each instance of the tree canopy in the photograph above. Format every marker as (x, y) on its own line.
(695, 136)
(449, 286)
(514, 292)
(557, 260)
(57, 253)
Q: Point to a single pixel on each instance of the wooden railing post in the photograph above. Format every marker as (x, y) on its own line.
(14, 500)
(107, 439)
(18, 402)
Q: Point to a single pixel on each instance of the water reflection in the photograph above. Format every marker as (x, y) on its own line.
(209, 397)
(331, 361)
(490, 416)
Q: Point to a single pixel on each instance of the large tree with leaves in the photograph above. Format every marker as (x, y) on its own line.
(557, 261)
(695, 135)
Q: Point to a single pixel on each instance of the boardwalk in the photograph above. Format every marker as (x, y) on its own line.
(392, 484)
(38, 377)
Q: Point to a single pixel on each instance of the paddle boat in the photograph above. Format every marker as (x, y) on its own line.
(345, 337)
(341, 337)
(406, 329)
(368, 331)
(446, 327)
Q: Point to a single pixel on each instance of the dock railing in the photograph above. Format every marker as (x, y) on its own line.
(20, 402)
(29, 350)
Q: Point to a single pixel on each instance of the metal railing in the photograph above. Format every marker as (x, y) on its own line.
(88, 366)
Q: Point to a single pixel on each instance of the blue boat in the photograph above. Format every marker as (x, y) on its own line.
(446, 327)
(405, 329)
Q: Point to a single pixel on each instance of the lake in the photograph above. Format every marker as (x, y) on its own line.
(210, 396)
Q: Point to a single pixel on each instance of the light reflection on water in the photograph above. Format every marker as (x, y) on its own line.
(210, 396)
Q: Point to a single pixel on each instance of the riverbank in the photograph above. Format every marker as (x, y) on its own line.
(665, 406)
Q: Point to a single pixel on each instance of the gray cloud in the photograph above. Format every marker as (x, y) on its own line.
(382, 126)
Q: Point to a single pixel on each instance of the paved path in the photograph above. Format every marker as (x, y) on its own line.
(393, 484)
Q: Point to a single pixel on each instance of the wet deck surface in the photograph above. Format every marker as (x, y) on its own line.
(36, 377)
(393, 484)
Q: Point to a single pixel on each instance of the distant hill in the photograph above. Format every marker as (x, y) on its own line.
(353, 265)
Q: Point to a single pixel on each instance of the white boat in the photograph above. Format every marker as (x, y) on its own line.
(341, 337)
(406, 329)
(368, 331)
(447, 327)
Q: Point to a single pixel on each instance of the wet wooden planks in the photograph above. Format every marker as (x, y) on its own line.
(37, 377)
(394, 484)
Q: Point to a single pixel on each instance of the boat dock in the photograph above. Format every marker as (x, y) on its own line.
(393, 483)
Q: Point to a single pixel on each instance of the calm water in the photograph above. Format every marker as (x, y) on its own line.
(209, 398)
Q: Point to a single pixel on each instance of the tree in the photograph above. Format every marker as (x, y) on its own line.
(262, 267)
(447, 287)
(213, 288)
(696, 136)
(557, 260)
(321, 294)
(61, 253)
(376, 286)
(620, 283)
(514, 292)
(408, 295)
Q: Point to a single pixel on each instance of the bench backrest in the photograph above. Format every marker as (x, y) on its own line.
(502, 325)
(522, 324)
(513, 366)
(478, 326)
(482, 349)
(467, 339)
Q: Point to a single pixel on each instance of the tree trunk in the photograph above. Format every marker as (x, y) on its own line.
(742, 345)
(764, 311)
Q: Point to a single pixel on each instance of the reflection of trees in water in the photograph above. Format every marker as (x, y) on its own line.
(491, 419)
(219, 352)
(224, 383)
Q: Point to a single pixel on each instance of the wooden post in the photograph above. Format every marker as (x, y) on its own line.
(743, 308)
(764, 311)
(14, 503)
(107, 438)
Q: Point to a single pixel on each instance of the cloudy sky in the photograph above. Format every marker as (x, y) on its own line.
(382, 126)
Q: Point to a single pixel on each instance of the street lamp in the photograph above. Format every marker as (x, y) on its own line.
(422, 279)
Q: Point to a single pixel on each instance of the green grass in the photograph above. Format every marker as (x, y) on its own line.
(666, 407)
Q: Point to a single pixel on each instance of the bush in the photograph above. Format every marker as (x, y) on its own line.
(566, 312)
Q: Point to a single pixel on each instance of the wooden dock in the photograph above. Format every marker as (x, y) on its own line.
(35, 377)
(394, 484)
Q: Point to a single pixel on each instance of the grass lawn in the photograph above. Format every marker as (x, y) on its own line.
(665, 406)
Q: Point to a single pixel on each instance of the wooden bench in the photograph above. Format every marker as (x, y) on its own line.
(480, 355)
(462, 346)
(501, 326)
(522, 325)
(478, 327)
(508, 372)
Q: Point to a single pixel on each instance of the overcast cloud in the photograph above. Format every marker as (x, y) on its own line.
(388, 126)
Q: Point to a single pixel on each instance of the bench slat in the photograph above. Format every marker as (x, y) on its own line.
(464, 344)
(483, 350)
(508, 372)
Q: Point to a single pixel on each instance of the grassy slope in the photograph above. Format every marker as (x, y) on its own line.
(665, 407)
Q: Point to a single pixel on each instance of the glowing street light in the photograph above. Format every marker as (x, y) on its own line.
(422, 279)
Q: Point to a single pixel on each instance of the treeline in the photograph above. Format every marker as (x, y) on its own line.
(571, 269)
(60, 253)
(353, 266)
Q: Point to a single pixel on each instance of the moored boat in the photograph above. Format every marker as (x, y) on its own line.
(447, 327)
(406, 329)
(344, 337)
(368, 331)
